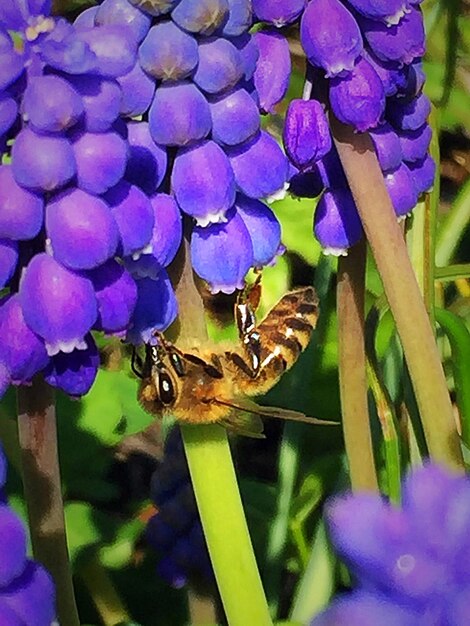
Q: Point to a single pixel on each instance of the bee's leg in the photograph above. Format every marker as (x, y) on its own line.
(245, 317)
(137, 365)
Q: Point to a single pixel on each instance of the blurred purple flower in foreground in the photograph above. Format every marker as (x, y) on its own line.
(411, 564)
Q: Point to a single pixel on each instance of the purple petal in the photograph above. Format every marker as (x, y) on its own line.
(330, 36)
(8, 113)
(222, 254)
(147, 162)
(415, 80)
(8, 260)
(415, 143)
(273, 69)
(168, 53)
(58, 304)
(76, 371)
(263, 227)
(138, 90)
(101, 99)
(121, 12)
(22, 211)
(203, 182)
(278, 12)
(388, 147)
(86, 19)
(336, 222)
(393, 77)
(306, 132)
(235, 118)
(388, 11)
(220, 65)
(12, 65)
(5, 381)
(409, 115)
(12, 546)
(249, 53)
(423, 173)
(239, 18)
(203, 16)
(114, 46)
(401, 190)
(32, 596)
(168, 228)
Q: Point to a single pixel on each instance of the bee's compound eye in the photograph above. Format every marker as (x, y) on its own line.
(166, 389)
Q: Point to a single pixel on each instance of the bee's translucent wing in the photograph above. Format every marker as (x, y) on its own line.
(243, 423)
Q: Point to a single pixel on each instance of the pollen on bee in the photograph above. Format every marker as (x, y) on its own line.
(148, 393)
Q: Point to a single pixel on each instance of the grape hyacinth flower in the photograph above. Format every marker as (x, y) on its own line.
(27, 594)
(409, 564)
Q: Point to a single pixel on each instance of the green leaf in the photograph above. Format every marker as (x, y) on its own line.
(118, 554)
(82, 531)
(453, 272)
(453, 227)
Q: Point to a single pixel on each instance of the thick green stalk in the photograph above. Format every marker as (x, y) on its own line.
(352, 369)
(103, 593)
(215, 485)
(388, 247)
(41, 479)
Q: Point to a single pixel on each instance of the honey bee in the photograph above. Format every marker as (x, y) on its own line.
(214, 383)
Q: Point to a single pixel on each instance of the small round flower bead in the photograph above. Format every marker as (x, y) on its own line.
(330, 36)
(101, 160)
(131, 209)
(12, 546)
(401, 43)
(203, 182)
(122, 12)
(101, 98)
(22, 211)
(393, 77)
(239, 20)
(415, 143)
(388, 11)
(138, 89)
(114, 46)
(423, 173)
(388, 146)
(186, 113)
(155, 7)
(200, 16)
(81, 228)
(8, 260)
(168, 53)
(408, 115)
(11, 67)
(358, 99)
(8, 113)
(76, 371)
(415, 79)
(249, 53)
(168, 228)
(42, 162)
(261, 169)
(156, 309)
(220, 66)
(401, 190)
(63, 51)
(147, 162)
(278, 12)
(306, 132)
(273, 69)
(235, 117)
(58, 304)
(263, 227)
(336, 222)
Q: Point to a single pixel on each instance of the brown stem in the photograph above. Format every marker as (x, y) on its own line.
(42, 488)
(391, 256)
(352, 369)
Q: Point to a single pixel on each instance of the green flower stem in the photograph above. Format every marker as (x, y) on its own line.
(105, 598)
(215, 483)
(352, 369)
(41, 479)
(453, 227)
(388, 247)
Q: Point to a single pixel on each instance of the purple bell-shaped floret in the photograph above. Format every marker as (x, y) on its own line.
(133, 213)
(278, 12)
(330, 36)
(8, 112)
(263, 227)
(306, 132)
(76, 371)
(261, 169)
(168, 53)
(393, 77)
(336, 222)
(249, 53)
(42, 162)
(138, 89)
(401, 190)
(273, 69)
(58, 304)
(220, 66)
(408, 115)
(186, 113)
(23, 352)
(415, 143)
(116, 294)
(11, 67)
(387, 146)
(203, 182)
(81, 229)
(156, 309)
(114, 46)
(230, 242)
(235, 118)
(240, 18)
(147, 162)
(388, 11)
(122, 12)
(358, 99)
(201, 16)
(423, 173)
(101, 98)
(31, 596)
(8, 260)
(21, 210)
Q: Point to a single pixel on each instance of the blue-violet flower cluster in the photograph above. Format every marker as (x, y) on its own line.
(27, 594)
(410, 564)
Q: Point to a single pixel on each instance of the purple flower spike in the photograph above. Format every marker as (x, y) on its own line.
(401, 189)
(138, 89)
(306, 132)
(156, 309)
(263, 227)
(23, 352)
(423, 173)
(388, 11)
(8, 113)
(58, 304)
(330, 36)
(31, 596)
(222, 254)
(200, 16)
(336, 223)
(185, 111)
(8, 260)
(12, 546)
(101, 99)
(75, 372)
(278, 12)
(402, 43)
(239, 19)
(147, 162)
(116, 293)
(387, 146)
(273, 69)
(133, 213)
(114, 46)
(235, 118)
(22, 211)
(358, 98)
(82, 231)
(42, 162)
(121, 12)
(168, 53)
(409, 115)
(203, 182)
(220, 65)
(415, 143)
(261, 169)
